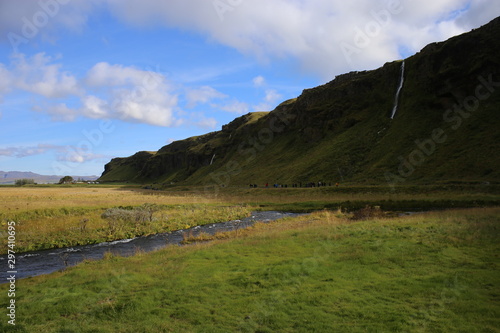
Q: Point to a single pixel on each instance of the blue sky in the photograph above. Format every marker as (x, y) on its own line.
(84, 81)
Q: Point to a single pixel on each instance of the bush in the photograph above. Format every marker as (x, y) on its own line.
(138, 215)
(24, 181)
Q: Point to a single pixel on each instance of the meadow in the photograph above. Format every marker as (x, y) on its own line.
(54, 217)
(323, 272)
(62, 216)
(355, 264)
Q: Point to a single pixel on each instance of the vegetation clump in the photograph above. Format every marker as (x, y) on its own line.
(139, 216)
(24, 181)
(66, 180)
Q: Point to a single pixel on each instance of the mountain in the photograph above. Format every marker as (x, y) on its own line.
(445, 128)
(10, 177)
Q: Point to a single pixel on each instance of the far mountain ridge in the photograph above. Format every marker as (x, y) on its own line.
(9, 177)
(445, 128)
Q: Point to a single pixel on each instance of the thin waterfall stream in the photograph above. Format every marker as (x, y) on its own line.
(398, 92)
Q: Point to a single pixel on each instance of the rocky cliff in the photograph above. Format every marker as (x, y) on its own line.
(445, 129)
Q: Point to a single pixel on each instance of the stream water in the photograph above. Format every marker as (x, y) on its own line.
(48, 261)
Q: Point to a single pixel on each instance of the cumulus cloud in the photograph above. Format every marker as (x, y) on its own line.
(235, 106)
(5, 80)
(133, 95)
(23, 22)
(327, 37)
(270, 100)
(58, 112)
(259, 81)
(69, 153)
(202, 95)
(478, 13)
(38, 75)
(74, 155)
(106, 75)
(201, 121)
(105, 92)
(29, 151)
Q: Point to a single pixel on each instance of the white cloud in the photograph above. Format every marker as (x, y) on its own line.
(20, 152)
(24, 22)
(106, 91)
(313, 32)
(5, 80)
(480, 12)
(67, 153)
(270, 100)
(37, 75)
(259, 81)
(235, 106)
(202, 95)
(326, 37)
(94, 107)
(107, 75)
(76, 155)
(134, 95)
(207, 123)
(58, 112)
(272, 96)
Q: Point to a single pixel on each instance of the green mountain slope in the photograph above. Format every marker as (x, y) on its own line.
(445, 128)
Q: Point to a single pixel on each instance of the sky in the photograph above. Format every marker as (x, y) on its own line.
(84, 81)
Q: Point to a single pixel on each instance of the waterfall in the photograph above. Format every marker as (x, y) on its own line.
(212, 160)
(401, 81)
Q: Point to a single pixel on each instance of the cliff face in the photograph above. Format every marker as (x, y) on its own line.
(445, 128)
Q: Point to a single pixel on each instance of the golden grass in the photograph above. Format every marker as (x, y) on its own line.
(29, 198)
(65, 216)
(48, 217)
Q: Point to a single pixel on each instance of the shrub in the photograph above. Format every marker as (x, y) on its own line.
(24, 181)
(139, 215)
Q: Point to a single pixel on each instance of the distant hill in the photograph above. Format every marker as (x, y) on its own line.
(445, 129)
(10, 177)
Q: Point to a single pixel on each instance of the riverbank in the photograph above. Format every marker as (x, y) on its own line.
(323, 272)
(48, 261)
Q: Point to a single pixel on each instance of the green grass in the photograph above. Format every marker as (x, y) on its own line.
(434, 272)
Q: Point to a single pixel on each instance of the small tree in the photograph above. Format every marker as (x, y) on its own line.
(66, 180)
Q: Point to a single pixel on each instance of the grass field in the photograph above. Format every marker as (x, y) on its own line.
(53, 217)
(61, 216)
(339, 269)
(325, 272)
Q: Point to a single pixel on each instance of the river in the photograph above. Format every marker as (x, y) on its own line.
(47, 261)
